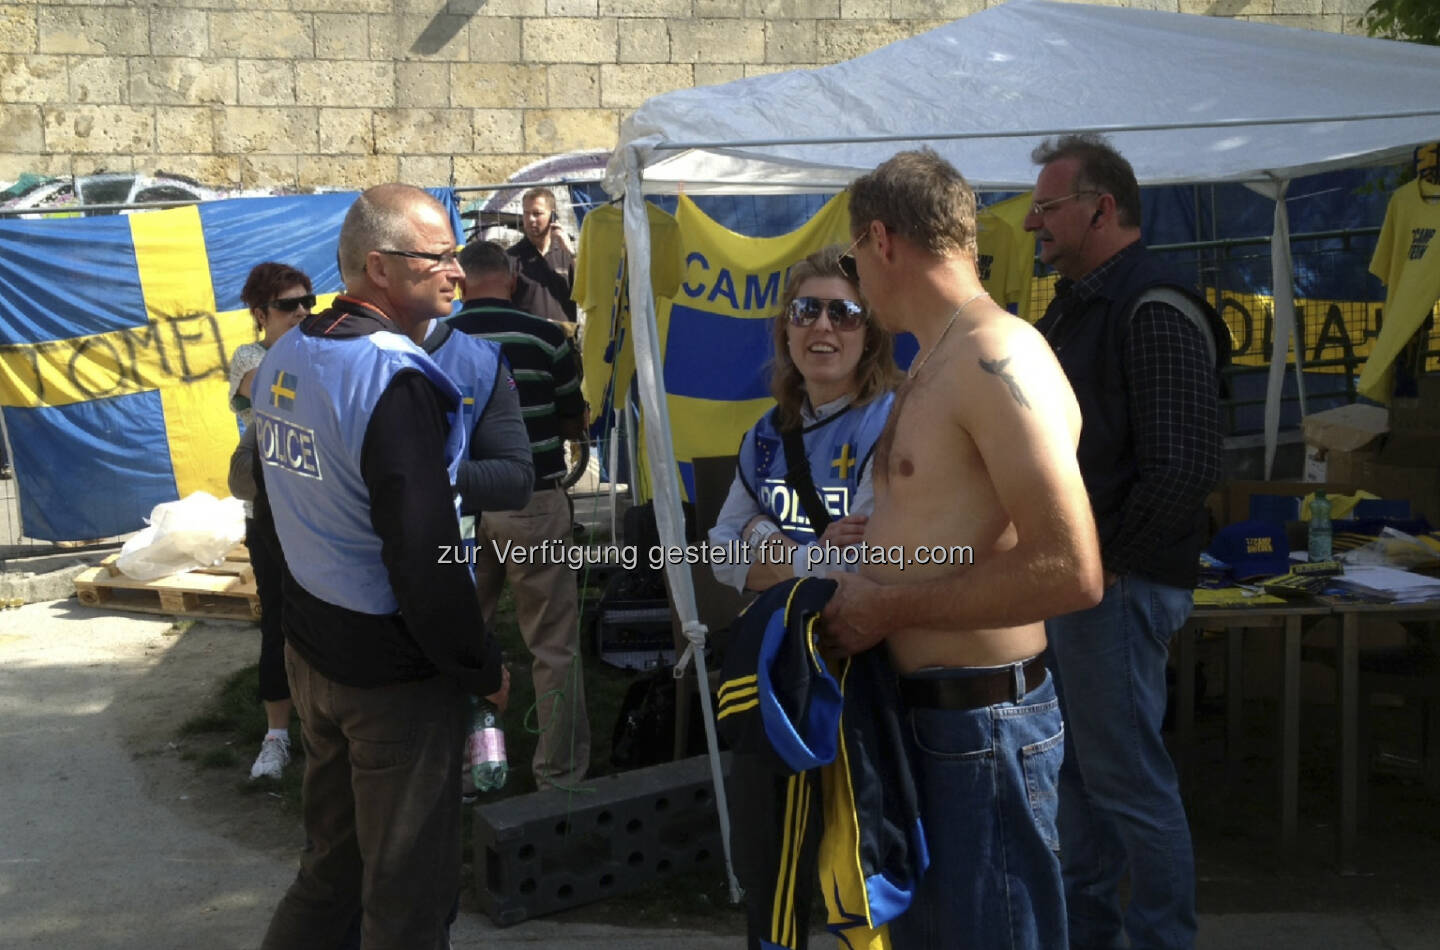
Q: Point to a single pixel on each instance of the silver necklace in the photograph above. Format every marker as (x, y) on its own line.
(915, 370)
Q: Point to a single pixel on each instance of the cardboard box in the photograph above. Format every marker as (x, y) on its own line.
(1337, 441)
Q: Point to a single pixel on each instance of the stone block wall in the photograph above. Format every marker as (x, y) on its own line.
(293, 94)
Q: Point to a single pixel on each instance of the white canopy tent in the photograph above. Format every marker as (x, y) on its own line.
(1185, 98)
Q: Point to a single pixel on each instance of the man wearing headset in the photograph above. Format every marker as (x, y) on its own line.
(1142, 352)
(547, 267)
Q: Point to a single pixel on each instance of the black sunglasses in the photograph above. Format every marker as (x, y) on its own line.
(288, 304)
(843, 314)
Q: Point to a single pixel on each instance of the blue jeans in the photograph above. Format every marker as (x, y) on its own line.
(987, 784)
(1120, 805)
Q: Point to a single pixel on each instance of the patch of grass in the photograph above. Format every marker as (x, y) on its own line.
(226, 734)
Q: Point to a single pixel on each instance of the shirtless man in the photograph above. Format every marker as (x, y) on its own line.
(978, 459)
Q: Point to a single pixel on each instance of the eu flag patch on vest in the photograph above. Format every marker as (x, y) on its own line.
(282, 391)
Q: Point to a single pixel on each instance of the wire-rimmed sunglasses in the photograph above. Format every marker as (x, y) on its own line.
(846, 262)
(843, 314)
(289, 304)
(437, 260)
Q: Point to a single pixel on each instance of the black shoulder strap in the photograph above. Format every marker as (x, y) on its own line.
(797, 476)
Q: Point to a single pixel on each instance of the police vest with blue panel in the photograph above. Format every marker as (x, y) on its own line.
(472, 365)
(838, 449)
(313, 398)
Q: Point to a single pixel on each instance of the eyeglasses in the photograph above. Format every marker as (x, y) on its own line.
(443, 259)
(843, 314)
(288, 304)
(847, 260)
(1040, 207)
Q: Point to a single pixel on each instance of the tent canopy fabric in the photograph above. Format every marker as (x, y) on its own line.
(1260, 101)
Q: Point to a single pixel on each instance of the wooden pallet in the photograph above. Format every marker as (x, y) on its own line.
(225, 590)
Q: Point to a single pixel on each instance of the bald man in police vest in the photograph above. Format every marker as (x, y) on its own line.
(361, 438)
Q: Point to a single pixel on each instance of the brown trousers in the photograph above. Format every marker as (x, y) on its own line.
(382, 814)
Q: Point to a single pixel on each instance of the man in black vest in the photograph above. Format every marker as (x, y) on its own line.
(1142, 352)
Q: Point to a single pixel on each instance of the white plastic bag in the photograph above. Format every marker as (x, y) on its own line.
(195, 531)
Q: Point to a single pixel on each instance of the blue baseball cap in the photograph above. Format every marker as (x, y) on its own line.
(1252, 549)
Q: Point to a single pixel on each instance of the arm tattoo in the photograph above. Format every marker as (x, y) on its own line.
(997, 368)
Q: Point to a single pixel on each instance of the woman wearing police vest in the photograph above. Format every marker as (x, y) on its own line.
(833, 376)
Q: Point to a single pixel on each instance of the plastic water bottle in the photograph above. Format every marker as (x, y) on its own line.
(1320, 531)
(485, 748)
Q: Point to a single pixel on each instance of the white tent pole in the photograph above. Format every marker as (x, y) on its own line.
(1282, 287)
(665, 483)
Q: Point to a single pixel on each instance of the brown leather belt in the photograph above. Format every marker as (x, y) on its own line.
(970, 692)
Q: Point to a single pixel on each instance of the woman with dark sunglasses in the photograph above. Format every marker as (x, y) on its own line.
(833, 376)
(279, 297)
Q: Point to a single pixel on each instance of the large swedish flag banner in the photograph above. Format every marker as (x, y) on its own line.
(115, 343)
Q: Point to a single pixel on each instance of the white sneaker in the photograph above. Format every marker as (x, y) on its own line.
(274, 756)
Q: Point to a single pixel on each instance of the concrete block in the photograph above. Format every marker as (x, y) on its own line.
(34, 580)
(628, 86)
(713, 74)
(646, 8)
(569, 40)
(168, 80)
(266, 82)
(422, 131)
(347, 132)
(221, 171)
(548, 131)
(19, 30)
(945, 9)
(644, 41)
(340, 36)
(112, 31)
(21, 128)
(488, 169)
(32, 78)
(355, 83)
(495, 40)
(329, 7)
(269, 171)
(717, 41)
(796, 9)
(254, 34)
(790, 41)
(516, 8)
(539, 853)
(421, 85)
(731, 9)
(838, 40)
(275, 131)
(100, 164)
(347, 171)
(864, 9)
(573, 86)
(179, 32)
(97, 79)
(428, 37)
(15, 164)
(575, 8)
(499, 131)
(497, 85)
(104, 130)
(184, 129)
(425, 171)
